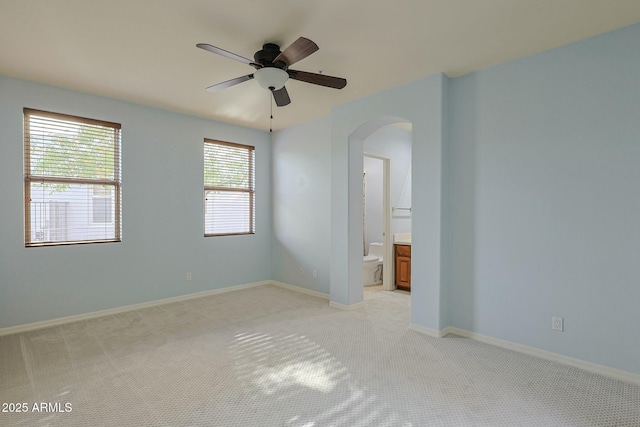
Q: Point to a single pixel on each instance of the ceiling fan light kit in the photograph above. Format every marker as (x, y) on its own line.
(272, 68)
(271, 78)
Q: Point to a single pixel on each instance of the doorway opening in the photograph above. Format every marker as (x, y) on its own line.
(386, 196)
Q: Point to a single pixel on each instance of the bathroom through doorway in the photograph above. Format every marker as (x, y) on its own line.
(386, 201)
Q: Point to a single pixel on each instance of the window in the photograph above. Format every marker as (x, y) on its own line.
(229, 192)
(72, 179)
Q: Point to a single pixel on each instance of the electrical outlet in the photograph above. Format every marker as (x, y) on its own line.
(557, 323)
(188, 277)
(315, 274)
(301, 271)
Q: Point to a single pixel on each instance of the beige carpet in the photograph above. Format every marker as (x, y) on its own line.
(267, 356)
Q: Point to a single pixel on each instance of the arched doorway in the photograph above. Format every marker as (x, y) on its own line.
(355, 209)
(422, 104)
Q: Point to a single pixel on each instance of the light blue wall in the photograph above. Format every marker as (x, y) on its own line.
(162, 214)
(544, 180)
(302, 204)
(373, 199)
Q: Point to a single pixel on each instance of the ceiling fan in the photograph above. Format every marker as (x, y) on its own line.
(272, 68)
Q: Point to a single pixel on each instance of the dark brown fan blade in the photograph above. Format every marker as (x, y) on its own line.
(318, 79)
(229, 83)
(281, 96)
(296, 51)
(227, 54)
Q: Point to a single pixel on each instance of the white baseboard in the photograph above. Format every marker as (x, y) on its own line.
(595, 368)
(333, 304)
(299, 289)
(341, 306)
(100, 313)
(426, 331)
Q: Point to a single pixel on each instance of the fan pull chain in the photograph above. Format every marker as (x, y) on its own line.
(271, 114)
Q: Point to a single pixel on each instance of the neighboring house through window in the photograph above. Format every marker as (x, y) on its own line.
(101, 204)
(72, 179)
(229, 188)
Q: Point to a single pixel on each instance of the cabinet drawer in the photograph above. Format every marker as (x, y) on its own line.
(403, 250)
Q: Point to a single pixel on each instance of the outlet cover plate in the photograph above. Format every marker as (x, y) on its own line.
(557, 323)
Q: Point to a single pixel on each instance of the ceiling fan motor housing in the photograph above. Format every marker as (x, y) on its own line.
(267, 54)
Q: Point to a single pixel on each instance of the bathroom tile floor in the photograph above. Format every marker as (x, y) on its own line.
(378, 288)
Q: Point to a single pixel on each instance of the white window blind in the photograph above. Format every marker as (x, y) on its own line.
(229, 191)
(72, 179)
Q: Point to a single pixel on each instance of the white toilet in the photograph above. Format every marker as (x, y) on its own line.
(372, 264)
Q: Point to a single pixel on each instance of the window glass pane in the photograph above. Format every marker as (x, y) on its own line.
(227, 212)
(65, 212)
(65, 149)
(227, 166)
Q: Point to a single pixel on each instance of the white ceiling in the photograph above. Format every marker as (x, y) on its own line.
(143, 51)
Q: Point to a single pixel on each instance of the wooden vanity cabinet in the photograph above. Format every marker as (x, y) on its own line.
(403, 266)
